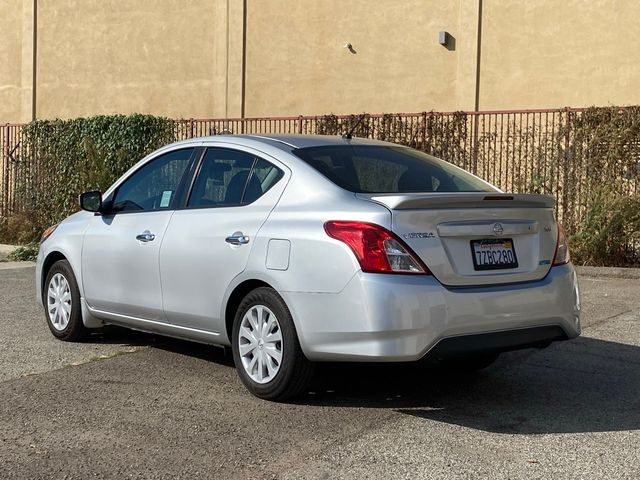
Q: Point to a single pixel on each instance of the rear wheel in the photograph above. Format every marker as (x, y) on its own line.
(266, 350)
(62, 303)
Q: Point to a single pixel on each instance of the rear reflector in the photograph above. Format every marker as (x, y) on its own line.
(377, 249)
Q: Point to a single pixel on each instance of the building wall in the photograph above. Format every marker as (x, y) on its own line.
(228, 58)
(117, 56)
(302, 67)
(554, 53)
(11, 41)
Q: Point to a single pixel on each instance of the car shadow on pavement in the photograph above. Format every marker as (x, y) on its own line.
(112, 334)
(585, 385)
(211, 353)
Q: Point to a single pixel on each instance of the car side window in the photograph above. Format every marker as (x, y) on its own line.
(230, 178)
(153, 186)
(266, 175)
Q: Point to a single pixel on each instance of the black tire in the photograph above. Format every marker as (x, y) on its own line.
(75, 329)
(471, 363)
(295, 371)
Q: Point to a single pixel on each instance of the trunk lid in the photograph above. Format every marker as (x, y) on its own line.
(465, 238)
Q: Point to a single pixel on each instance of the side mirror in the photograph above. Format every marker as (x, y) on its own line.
(91, 201)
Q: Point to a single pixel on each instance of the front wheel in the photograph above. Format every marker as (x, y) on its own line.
(62, 303)
(266, 350)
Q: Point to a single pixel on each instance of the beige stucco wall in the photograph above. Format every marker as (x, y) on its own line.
(118, 56)
(554, 53)
(188, 58)
(297, 63)
(11, 60)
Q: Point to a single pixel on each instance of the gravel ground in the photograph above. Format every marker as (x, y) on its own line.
(129, 405)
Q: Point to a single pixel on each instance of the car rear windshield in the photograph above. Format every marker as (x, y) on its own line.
(388, 169)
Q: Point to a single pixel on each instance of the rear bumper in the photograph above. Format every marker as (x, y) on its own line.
(401, 317)
(497, 342)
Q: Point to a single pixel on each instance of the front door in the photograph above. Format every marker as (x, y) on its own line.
(208, 243)
(120, 269)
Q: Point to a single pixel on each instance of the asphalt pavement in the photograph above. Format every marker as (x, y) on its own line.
(131, 405)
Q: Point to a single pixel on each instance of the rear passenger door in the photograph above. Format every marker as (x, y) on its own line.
(208, 242)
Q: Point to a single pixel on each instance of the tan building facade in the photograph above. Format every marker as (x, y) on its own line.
(233, 58)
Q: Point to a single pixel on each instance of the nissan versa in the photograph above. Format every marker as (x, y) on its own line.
(302, 249)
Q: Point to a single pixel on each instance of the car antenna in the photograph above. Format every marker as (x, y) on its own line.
(349, 134)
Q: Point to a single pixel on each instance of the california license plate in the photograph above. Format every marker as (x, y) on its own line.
(493, 254)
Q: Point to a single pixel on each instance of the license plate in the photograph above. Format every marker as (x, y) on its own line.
(493, 254)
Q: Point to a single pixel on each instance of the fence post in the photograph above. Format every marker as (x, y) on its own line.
(423, 115)
(300, 124)
(3, 149)
(5, 171)
(565, 170)
(475, 142)
(191, 128)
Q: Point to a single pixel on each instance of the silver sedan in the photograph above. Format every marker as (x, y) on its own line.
(300, 249)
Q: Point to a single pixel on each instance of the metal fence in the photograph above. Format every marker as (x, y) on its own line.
(519, 151)
(10, 139)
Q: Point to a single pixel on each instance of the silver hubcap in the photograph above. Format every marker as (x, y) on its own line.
(260, 344)
(59, 302)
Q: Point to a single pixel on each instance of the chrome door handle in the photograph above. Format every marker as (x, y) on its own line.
(238, 238)
(146, 236)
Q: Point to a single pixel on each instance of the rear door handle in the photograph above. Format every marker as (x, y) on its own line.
(146, 236)
(238, 238)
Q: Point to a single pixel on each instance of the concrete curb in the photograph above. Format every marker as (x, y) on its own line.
(610, 272)
(14, 265)
(5, 250)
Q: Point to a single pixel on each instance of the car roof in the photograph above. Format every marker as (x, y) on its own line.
(289, 142)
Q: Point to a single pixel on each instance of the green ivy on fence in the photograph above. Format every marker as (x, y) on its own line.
(607, 229)
(589, 159)
(61, 158)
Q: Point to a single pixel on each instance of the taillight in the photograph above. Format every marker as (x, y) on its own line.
(376, 248)
(562, 248)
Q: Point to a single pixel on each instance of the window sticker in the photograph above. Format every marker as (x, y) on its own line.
(166, 199)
